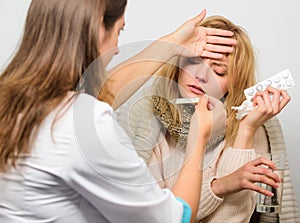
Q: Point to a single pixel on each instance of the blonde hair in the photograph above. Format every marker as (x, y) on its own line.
(60, 41)
(241, 73)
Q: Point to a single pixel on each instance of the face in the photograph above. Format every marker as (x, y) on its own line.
(199, 76)
(109, 40)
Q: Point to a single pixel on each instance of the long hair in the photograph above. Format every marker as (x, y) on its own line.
(60, 40)
(240, 70)
(241, 73)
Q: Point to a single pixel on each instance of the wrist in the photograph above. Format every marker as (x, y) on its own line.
(175, 46)
(216, 187)
(244, 137)
(247, 126)
(168, 38)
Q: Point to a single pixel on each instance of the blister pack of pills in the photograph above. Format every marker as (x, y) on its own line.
(282, 81)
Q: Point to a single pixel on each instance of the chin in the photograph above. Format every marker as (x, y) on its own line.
(194, 96)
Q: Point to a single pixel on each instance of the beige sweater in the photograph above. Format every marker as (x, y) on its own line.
(164, 162)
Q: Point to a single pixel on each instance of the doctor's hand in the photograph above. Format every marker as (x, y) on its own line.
(209, 119)
(201, 121)
(219, 116)
(201, 41)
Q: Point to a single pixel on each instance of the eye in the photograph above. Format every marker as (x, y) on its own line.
(219, 73)
(220, 70)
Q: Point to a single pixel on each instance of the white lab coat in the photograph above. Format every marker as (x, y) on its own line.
(84, 169)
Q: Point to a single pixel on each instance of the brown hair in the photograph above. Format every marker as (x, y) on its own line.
(60, 40)
(113, 11)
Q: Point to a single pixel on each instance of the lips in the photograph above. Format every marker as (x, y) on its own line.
(196, 89)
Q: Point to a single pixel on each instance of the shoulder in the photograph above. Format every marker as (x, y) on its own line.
(100, 141)
(92, 117)
(84, 101)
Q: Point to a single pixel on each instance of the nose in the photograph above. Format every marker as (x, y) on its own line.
(202, 75)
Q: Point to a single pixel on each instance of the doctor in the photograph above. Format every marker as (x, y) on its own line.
(62, 156)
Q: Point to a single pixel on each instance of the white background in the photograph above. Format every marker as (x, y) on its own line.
(273, 26)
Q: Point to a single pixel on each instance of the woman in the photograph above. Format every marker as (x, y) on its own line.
(61, 159)
(230, 167)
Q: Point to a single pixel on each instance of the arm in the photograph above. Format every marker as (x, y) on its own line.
(192, 169)
(237, 169)
(188, 40)
(106, 170)
(246, 176)
(230, 161)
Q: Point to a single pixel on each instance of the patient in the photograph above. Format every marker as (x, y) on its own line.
(159, 130)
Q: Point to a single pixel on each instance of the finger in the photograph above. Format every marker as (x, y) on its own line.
(210, 106)
(252, 185)
(265, 180)
(271, 175)
(266, 175)
(199, 17)
(263, 161)
(211, 102)
(211, 55)
(261, 190)
(264, 102)
(275, 95)
(219, 32)
(203, 103)
(259, 102)
(218, 48)
(268, 101)
(220, 40)
(285, 99)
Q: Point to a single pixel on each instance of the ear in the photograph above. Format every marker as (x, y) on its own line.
(102, 33)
